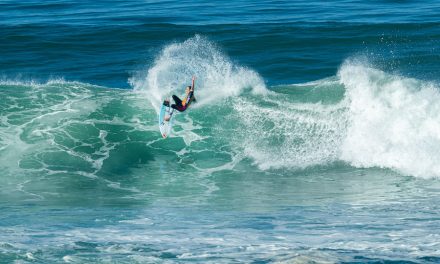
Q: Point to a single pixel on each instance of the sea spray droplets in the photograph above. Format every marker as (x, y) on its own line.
(217, 76)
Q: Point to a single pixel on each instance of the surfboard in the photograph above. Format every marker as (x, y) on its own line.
(165, 126)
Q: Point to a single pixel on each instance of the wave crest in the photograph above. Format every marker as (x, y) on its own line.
(394, 122)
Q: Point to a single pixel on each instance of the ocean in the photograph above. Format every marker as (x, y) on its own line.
(315, 137)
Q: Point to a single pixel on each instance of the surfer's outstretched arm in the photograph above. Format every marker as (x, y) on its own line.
(193, 83)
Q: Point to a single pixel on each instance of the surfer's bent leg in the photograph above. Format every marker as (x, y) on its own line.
(178, 105)
(177, 100)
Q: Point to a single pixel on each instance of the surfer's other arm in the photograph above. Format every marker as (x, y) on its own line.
(192, 89)
(193, 83)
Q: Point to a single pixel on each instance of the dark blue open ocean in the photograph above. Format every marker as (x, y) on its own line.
(315, 137)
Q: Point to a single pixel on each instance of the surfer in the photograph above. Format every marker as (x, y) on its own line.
(182, 105)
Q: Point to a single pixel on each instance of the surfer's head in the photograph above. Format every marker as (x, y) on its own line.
(188, 89)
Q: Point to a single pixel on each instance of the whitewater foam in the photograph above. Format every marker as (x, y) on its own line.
(394, 122)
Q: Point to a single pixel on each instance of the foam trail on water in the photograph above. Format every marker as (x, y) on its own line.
(60, 128)
(217, 76)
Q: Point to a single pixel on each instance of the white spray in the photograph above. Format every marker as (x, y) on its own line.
(217, 76)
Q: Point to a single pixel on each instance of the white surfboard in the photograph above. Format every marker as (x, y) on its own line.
(166, 126)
